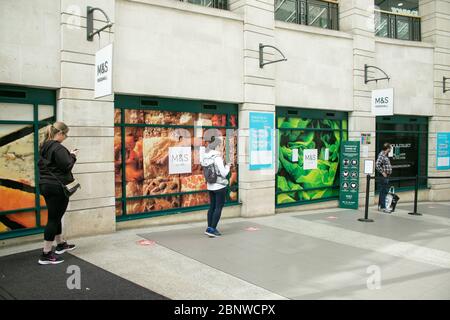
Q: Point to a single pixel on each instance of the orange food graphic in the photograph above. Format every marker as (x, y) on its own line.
(193, 183)
(13, 199)
(191, 200)
(134, 170)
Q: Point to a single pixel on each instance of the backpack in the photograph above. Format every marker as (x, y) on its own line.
(210, 172)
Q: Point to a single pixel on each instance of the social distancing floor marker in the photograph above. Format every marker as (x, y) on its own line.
(146, 242)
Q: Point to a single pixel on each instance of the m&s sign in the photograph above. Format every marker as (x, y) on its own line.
(383, 102)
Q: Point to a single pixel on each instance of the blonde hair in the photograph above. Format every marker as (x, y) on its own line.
(52, 129)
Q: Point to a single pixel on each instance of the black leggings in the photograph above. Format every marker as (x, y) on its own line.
(216, 203)
(57, 203)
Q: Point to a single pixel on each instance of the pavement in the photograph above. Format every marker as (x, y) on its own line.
(321, 254)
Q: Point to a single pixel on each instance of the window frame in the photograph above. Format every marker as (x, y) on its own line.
(405, 119)
(314, 115)
(129, 102)
(35, 97)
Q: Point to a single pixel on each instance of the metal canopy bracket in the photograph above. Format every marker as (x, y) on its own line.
(90, 23)
(261, 53)
(366, 79)
(444, 89)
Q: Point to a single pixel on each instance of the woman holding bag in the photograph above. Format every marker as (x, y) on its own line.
(55, 171)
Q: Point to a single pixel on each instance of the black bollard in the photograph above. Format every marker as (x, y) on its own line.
(366, 209)
(416, 193)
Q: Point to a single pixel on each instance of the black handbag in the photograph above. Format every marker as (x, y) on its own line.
(69, 189)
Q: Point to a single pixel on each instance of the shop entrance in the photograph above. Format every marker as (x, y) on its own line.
(309, 144)
(408, 136)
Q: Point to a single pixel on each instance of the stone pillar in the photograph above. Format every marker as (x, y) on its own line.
(435, 29)
(257, 188)
(91, 121)
(357, 18)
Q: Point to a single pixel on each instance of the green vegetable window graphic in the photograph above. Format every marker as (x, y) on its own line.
(294, 182)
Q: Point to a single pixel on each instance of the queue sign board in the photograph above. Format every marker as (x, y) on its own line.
(349, 175)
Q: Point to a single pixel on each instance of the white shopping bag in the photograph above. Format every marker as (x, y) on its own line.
(389, 198)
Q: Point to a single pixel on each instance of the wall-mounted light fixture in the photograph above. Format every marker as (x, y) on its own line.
(366, 79)
(444, 89)
(261, 53)
(90, 23)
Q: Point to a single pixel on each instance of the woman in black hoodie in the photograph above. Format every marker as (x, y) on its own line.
(55, 166)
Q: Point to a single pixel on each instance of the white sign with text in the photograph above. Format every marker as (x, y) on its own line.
(180, 160)
(383, 102)
(103, 72)
(309, 159)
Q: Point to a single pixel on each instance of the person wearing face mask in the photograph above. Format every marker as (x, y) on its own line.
(55, 169)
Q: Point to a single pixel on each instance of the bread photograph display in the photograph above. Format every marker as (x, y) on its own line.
(149, 137)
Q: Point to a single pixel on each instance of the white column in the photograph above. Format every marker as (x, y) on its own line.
(357, 18)
(256, 188)
(91, 121)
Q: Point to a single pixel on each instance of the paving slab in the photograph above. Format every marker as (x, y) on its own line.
(396, 226)
(301, 267)
(435, 209)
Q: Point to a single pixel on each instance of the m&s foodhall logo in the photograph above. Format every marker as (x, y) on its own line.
(179, 158)
(381, 102)
(101, 69)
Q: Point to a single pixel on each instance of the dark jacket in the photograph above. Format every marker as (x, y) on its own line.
(59, 161)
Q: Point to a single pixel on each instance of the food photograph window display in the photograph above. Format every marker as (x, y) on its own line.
(22, 125)
(149, 135)
(298, 136)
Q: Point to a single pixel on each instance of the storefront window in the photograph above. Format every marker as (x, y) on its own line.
(397, 19)
(218, 4)
(410, 7)
(408, 137)
(320, 133)
(148, 136)
(23, 115)
(316, 13)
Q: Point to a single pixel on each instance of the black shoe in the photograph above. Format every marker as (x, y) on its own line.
(50, 258)
(63, 247)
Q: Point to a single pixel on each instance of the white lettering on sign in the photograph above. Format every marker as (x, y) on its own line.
(405, 11)
(309, 159)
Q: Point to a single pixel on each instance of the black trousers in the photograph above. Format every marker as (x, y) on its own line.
(57, 203)
(384, 188)
(216, 202)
